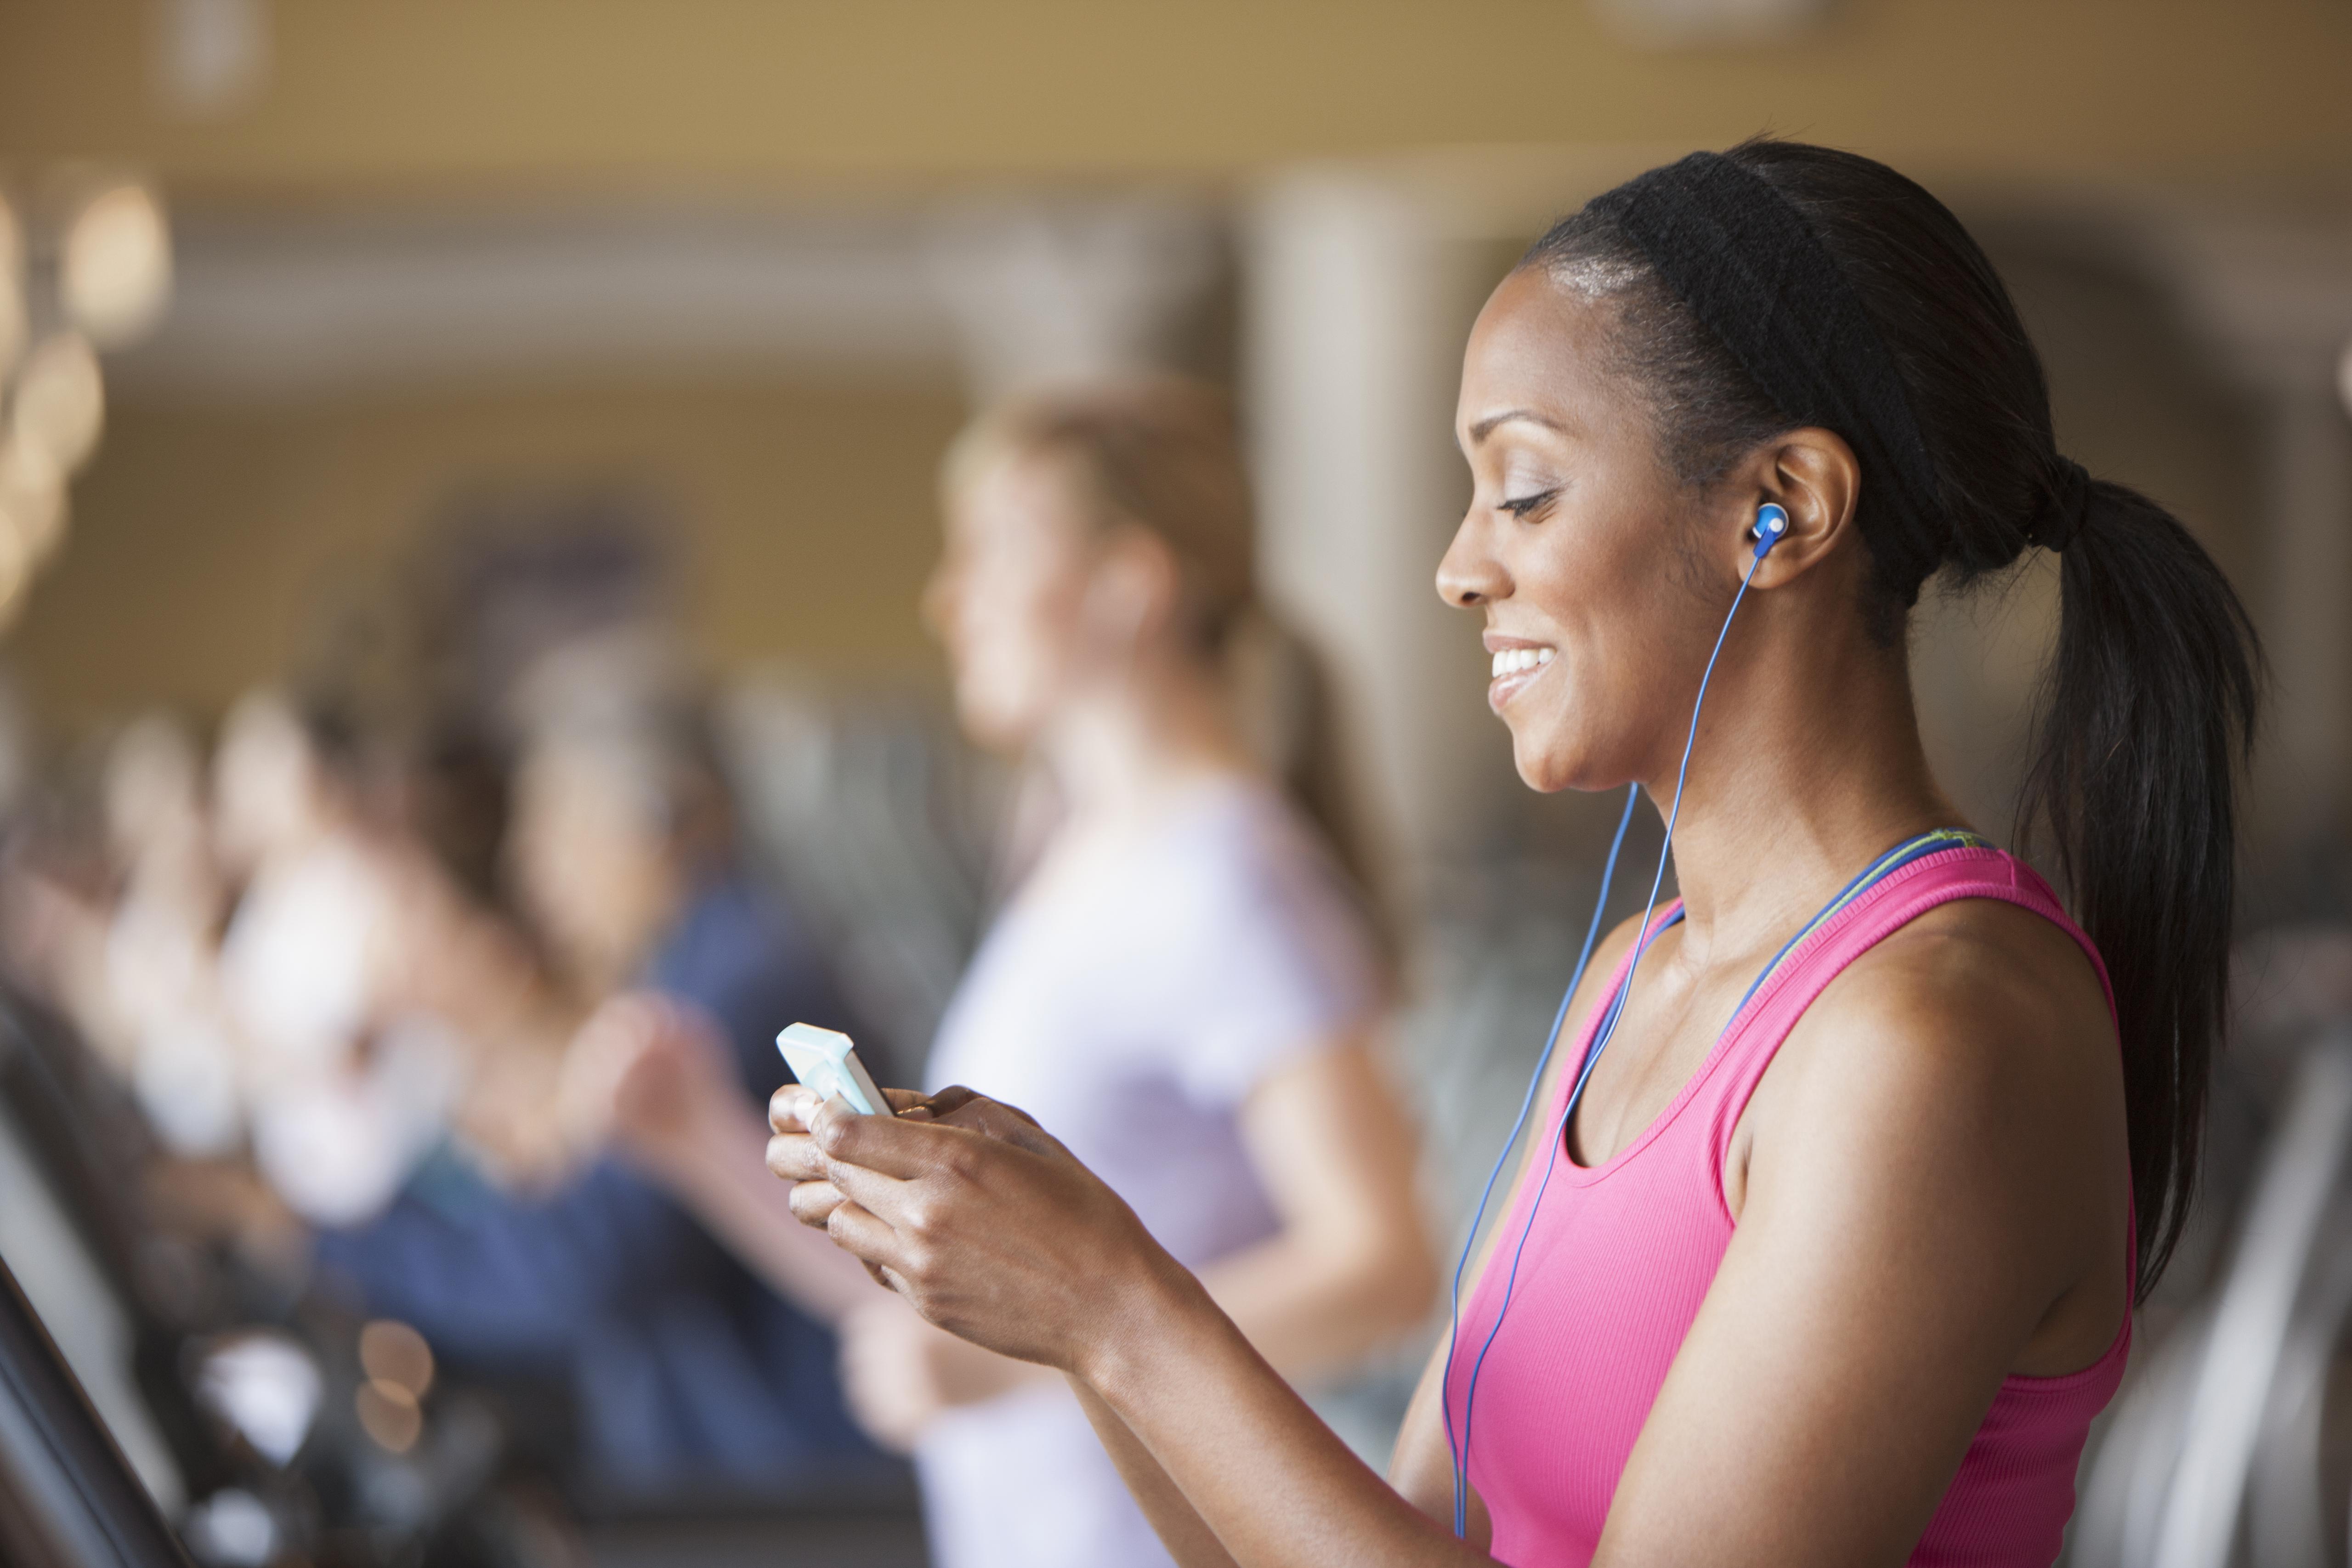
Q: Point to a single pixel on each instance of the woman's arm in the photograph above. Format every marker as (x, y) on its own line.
(1932, 1184)
(1090, 1293)
(1177, 1525)
(1349, 1271)
(1351, 1267)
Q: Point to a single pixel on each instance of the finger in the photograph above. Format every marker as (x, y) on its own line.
(948, 1099)
(812, 1202)
(790, 1108)
(888, 1199)
(901, 1101)
(1002, 1122)
(794, 1157)
(891, 1145)
(857, 1232)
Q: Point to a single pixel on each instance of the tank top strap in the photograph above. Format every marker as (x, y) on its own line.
(1755, 1034)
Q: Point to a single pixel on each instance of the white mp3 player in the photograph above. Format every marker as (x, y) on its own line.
(826, 1060)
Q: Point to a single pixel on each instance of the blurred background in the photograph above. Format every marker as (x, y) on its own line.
(397, 394)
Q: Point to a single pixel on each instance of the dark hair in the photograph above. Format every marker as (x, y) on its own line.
(2148, 707)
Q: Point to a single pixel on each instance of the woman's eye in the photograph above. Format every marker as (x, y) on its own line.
(1523, 506)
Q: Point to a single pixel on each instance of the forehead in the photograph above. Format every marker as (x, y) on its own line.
(1021, 491)
(1543, 349)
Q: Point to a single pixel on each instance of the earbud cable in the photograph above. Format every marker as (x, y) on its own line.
(1461, 1447)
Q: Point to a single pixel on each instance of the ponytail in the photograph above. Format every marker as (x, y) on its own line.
(2147, 716)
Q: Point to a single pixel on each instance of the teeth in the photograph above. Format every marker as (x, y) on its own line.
(1512, 660)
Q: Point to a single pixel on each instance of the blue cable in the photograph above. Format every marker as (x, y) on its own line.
(1519, 1123)
(1461, 1450)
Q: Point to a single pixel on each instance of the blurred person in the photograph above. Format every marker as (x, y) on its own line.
(1832, 1258)
(349, 1083)
(1182, 980)
(162, 942)
(125, 949)
(684, 1372)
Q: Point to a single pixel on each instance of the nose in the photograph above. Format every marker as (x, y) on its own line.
(1469, 575)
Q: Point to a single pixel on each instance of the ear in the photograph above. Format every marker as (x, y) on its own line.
(1131, 595)
(1812, 475)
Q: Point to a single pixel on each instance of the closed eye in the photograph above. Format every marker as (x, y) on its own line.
(1526, 506)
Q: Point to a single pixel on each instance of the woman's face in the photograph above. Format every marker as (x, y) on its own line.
(1008, 598)
(593, 872)
(1579, 546)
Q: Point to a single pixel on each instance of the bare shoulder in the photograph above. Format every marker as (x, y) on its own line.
(1987, 982)
(1977, 1032)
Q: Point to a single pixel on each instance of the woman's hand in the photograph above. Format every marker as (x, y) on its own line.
(986, 1225)
(650, 1074)
(900, 1374)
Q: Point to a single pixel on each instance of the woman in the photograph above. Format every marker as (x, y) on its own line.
(1840, 1273)
(1181, 980)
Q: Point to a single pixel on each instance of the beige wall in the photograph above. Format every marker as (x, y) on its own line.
(407, 94)
(211, 545)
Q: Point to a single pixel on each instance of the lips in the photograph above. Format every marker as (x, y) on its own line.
(1516, 666)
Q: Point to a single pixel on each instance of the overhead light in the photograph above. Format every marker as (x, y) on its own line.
(12, 287)
(60, 400)
(114, 272)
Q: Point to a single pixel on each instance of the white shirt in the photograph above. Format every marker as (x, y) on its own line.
(1131, 1002)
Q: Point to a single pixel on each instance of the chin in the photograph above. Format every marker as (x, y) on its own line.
(992, 724)
(1550, 764)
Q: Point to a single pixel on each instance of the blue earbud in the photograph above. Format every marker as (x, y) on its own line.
(1771, 528)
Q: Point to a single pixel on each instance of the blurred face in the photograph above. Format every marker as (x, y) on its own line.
(1577, 547)
(265, 785)
(1009, 597)
(593, 872)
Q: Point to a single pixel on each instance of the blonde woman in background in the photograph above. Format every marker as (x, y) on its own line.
(1183, 978)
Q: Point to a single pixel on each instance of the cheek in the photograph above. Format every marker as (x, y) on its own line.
(1589, 725)
(1017, 640)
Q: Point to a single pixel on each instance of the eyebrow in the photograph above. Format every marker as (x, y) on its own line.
(1486, 426)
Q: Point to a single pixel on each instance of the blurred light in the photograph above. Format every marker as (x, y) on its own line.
(2344, 376)
(12, 287)
(114, 272)
(32, 498)
(15, 569)
(210, 56)
(233, 1529)
(60, 400)
(267, 1389)
(1708, 24)
(393, 1352)
(389, 1413)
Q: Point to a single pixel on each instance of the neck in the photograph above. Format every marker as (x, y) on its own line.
(1796, 784)
(1121, 748)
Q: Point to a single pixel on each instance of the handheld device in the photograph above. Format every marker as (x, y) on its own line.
(826, 1060)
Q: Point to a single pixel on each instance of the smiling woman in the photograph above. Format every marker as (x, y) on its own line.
(1831, 1259)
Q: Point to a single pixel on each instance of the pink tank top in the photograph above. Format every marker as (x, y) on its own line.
(1622, 1253)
